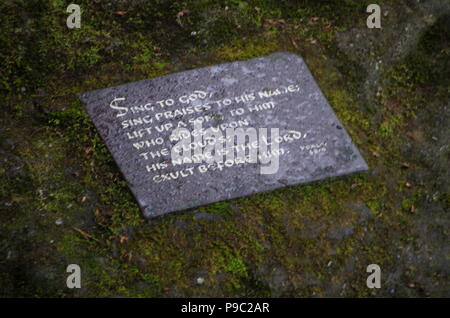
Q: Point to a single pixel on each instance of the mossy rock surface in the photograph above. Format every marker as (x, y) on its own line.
(63, 200)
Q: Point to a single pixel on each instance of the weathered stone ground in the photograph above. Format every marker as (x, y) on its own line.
(63, 201)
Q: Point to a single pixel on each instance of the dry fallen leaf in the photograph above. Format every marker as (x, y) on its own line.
(294, 44)
(88, 236)
(120, 13)
(123, 239)
(279, 22)
(182, 13)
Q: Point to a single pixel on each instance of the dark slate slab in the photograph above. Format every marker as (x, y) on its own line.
(324, 150)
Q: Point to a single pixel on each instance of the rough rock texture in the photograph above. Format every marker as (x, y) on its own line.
(376, 50)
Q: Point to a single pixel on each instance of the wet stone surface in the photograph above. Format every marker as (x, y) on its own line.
(143, 122)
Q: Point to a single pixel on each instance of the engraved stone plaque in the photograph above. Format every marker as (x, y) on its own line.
(274, 99)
